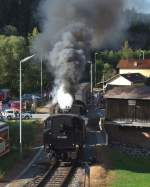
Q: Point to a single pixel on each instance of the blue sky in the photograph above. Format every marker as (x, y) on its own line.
(140, 5)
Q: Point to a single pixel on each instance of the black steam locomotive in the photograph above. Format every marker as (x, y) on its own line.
(65, 132)
(64, 135)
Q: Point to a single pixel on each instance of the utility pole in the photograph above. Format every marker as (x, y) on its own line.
(95, 68)
(20, 124)
(143, 54)
(20, 86)
(103, 83)
(91, 77)
(41, 78)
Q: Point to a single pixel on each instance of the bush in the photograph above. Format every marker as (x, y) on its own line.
(29, 129)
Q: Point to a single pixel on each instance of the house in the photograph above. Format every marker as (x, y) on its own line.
(134, 66)
(129, 79)
(128, 106)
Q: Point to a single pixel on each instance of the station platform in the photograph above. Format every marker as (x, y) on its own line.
(96, 134)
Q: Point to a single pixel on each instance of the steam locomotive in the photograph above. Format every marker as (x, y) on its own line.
(65, 132)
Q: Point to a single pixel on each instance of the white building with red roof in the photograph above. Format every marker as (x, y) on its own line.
(134, 66)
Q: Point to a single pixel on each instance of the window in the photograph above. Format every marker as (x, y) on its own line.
(10, 112)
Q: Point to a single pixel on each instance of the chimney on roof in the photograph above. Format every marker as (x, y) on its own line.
(135, 64)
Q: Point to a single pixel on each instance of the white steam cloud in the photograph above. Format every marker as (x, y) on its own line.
(64, 99)
(70, 28)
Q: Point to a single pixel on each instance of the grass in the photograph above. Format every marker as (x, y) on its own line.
(29, 130)
(7, 162)
(130, 171)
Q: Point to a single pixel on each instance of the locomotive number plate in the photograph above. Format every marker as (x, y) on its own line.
(62, 137)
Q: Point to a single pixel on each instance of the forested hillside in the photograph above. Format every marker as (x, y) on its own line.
(138, 33)
(19, 25)
(22, 15)
(18, 13)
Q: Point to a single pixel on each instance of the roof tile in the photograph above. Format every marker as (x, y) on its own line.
(134, 64)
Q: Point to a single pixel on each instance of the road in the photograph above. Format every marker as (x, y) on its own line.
(40, 116)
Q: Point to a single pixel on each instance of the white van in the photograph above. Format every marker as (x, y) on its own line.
(11, 114)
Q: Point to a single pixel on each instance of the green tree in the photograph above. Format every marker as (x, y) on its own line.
(12, 49)
(9, 30)
(33, 35)
(31, 77)
(127, 52)
(147, 53)
(108, 71)
(20, 13)
(100, 66)
(109, 68)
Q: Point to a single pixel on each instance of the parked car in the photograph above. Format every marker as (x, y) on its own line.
(26, 115)
(6, 100)
(1, 96)
(28, 97)
(8, 114)
(1, 117)
(11, 114)
(15, 105)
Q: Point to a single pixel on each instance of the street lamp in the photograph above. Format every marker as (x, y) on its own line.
(143, 53)
(20, 124)
(91, 75)
(41, 78)
(103, 82)
(95, 67)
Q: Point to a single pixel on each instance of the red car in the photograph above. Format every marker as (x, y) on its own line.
(16, 105)
(1, 96)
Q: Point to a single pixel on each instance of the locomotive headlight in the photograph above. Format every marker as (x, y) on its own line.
(77, 146)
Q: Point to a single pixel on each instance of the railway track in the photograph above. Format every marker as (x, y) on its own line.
(58, 175)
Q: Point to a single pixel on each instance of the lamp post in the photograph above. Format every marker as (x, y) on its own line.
(91, 76)
(95, 67)
(41, 78)
(20, 124)
(103, 82)
(143, 53)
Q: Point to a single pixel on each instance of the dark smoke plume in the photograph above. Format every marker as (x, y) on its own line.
(70, 28)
